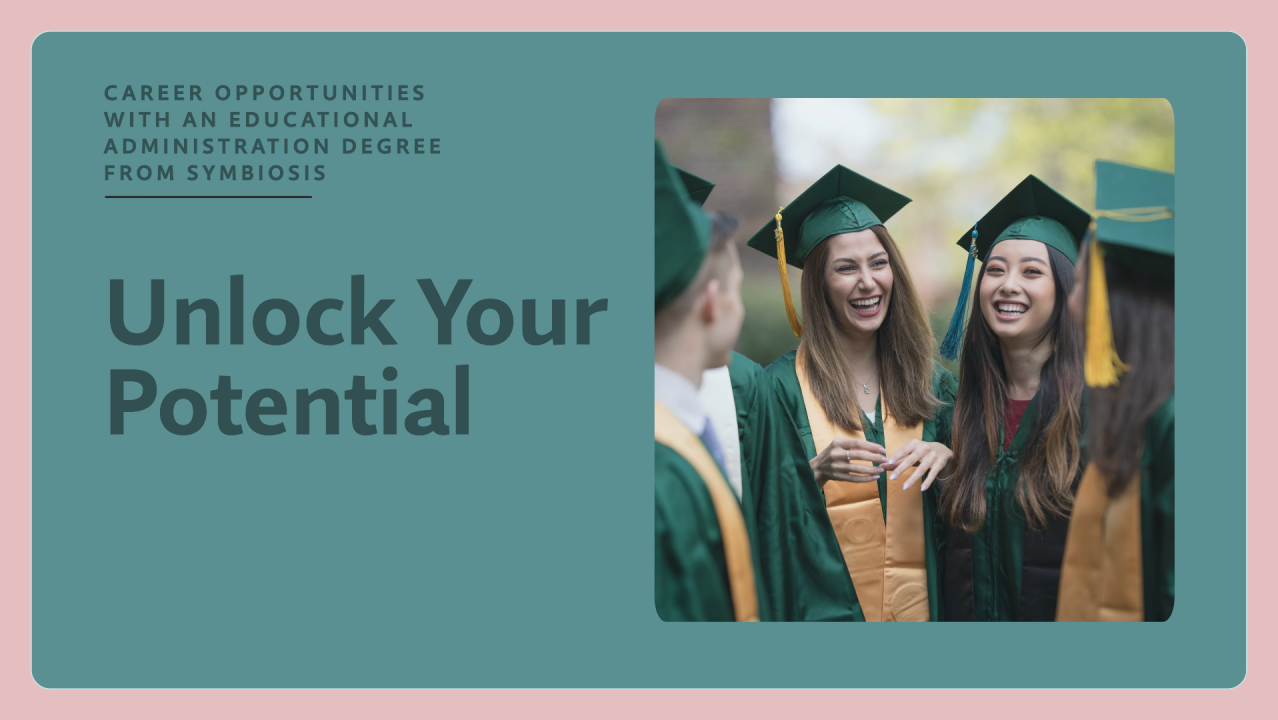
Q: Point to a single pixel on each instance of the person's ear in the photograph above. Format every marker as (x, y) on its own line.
(710, 309)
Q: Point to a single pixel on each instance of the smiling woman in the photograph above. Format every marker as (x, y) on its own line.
(1017, 416)
(863, 395)
(1017, 293)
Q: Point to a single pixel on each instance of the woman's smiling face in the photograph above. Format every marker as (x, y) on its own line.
(1018, 291)
(858, 281)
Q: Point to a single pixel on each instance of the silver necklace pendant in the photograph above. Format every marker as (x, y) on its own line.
(867, 388)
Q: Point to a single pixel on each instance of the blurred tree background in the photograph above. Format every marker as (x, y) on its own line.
(954, 157)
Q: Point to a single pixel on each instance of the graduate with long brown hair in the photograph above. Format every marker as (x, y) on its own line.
(1017, 423)
(1119, 556)
(870, 408)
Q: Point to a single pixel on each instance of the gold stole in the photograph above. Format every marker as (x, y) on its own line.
(736, 543)
(886, 562)
(1101, 574)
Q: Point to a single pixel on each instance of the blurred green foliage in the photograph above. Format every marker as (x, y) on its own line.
(1057, 139)
(766, 334)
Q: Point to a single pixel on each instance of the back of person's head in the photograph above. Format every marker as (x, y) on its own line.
(709, 311)
(1142, 306)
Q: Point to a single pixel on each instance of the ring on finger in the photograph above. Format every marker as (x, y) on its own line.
(848, 453)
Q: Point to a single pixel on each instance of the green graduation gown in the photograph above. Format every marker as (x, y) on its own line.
(792, 521)
(800, 570)
(691, 572)
(1006, 571)
(1111, 572)
(1157, 512)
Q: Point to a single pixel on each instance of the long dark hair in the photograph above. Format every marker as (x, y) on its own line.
(1049, 463)
(1142, 310)
(905, 346)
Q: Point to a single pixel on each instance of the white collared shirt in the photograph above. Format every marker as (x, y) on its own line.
(688, 405)
(679, 396)
(721, 408)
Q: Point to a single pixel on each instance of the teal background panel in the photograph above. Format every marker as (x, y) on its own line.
(520, 554)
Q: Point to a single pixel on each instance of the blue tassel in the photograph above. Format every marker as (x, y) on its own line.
(954, 335)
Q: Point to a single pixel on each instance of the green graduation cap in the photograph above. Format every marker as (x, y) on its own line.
(698, 187)
(682, 233)
(1135, 225)
(841, 201)
(1135, 216)
(1031, 211)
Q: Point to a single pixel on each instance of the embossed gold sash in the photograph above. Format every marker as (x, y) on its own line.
(886, 562)
(1101, 575)
(736, 542)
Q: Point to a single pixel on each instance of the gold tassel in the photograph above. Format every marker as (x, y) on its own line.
(1150, 213)
(1101, 364)
(795, 326)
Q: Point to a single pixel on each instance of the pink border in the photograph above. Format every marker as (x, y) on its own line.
(22, 22)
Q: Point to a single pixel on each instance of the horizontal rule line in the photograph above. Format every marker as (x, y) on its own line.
(207, 197)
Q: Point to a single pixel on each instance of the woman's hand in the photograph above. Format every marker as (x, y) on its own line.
(930, 458)
(838, 461)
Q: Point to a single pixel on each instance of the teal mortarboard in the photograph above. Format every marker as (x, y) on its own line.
(1135, 226)
(698, 187)
(1031, 211)
(1135, 216)
(841, 201)
(682, 233)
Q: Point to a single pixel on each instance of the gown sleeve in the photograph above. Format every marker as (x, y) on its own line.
(1158, 513)
(691, 582)
(945, 386)
(747, 379)
(802, 576)
(936, 533)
